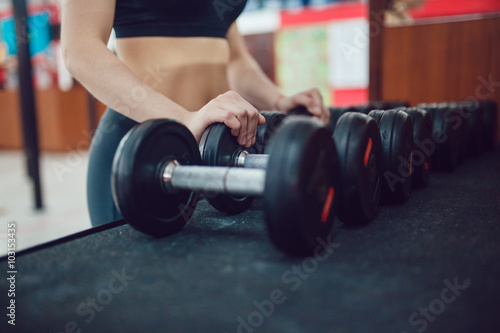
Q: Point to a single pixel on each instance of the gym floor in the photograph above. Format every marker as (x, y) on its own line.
(65, 209)
(429, 265)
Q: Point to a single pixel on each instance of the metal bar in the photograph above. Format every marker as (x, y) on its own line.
(27, 98)
(217, 179)
(256, 161)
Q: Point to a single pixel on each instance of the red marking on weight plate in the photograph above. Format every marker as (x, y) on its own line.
(368, 151)
(328, 205)
(426, 166)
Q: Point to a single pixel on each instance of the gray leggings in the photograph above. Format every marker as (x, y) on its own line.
(112, 128)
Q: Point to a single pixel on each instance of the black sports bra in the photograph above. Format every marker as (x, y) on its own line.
(175, 18)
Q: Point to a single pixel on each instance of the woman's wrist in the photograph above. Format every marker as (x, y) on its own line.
(187, 117)
(277, 105)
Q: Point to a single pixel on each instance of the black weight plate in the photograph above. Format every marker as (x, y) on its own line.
(359, 148)
(335, 114)
(266, 132)
(396, 105)
(422, 136)
(378, 105)
(445, 136)
(365, 109)
(137, 172)
(396, 132)
(463, 130)
(218, 147)
(299, 110)
(301, 182)
(475, 142)
(490, 117)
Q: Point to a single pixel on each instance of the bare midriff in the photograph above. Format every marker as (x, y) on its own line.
(190, 71)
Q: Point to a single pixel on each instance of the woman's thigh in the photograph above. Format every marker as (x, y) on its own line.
(112, 128)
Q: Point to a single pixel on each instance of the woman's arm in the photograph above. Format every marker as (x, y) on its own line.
(246, 77)
(86, 26)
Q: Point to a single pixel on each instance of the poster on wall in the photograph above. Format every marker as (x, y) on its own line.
(41, 51)
(348, 60)
(348, 54)
(301, 60)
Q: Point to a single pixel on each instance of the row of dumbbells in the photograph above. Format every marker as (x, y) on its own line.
(414, 141)
(458, 129)
(305, 175)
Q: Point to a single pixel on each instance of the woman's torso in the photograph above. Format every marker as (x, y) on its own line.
(189, 70)
(175, 50)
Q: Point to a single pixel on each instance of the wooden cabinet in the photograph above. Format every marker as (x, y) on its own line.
(437, 62)
(63, 123)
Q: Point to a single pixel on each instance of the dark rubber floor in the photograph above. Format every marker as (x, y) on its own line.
(431, 265)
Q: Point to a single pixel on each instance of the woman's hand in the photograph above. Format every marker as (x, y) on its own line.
(231, 109)
(311, 99)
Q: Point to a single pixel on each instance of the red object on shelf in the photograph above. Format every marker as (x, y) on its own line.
(431, 8)
(437, 8)
(308, 15)
(349, 97)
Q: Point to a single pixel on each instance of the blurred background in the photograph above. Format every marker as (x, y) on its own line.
(353, 51)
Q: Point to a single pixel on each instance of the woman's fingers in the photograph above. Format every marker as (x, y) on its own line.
(237, 113)
(310, 99)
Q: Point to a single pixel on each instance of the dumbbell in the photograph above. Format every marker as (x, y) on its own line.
(376, 105)
(157, 175)
(490, 117)
(445, 136)
(396, 132)
(360, 157)
(482, 121)
(471, 113)
(422, 145)
(359, 152)
(463, 130)
(266, 132)
(363, 108)
(359, 146)
(390, 105)
(218, 147)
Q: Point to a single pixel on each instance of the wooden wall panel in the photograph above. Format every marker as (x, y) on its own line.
(10, 122)
(442, 61)
(376, 47)
(48, 118)
(62, 120)
(261, 47)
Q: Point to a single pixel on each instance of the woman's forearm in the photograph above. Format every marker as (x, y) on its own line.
(246, 77)
(85, 29)
(111, 82)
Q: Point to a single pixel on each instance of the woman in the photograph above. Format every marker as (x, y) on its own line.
(172, 58)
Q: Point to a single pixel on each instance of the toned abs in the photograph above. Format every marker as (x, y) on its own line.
(189, 70)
